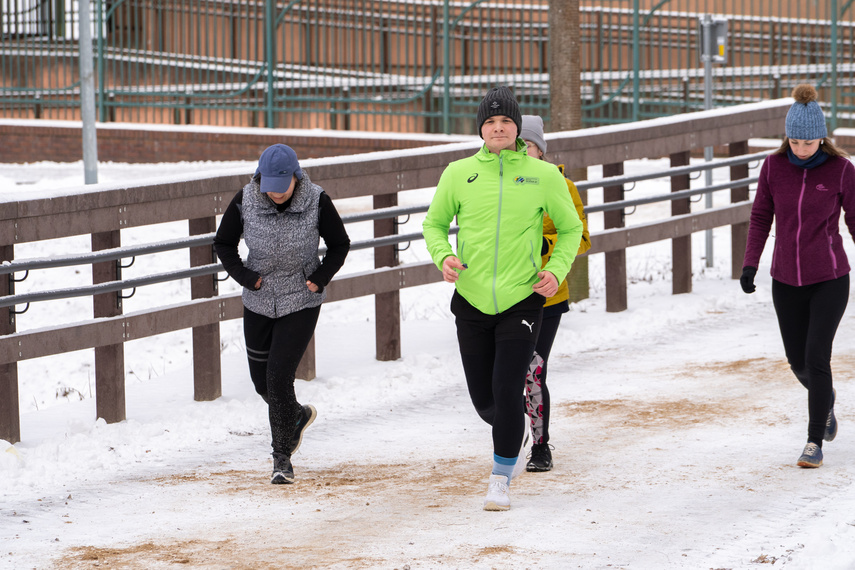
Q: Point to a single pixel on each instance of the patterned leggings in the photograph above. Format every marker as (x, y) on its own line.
(536, 392)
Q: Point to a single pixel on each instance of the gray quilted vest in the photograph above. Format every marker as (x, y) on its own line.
(283, 249)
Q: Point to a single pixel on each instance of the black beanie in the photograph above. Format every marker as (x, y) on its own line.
(499, 101)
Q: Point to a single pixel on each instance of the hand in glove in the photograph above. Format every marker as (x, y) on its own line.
(747, 279)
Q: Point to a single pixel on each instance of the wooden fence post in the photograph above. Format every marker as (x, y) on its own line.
(110, 359)
(207, 375)
(10, 415)
(681, 247)
(738, 232)
(615, 260)
(387, 306)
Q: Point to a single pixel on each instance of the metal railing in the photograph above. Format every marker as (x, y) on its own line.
(404, 66)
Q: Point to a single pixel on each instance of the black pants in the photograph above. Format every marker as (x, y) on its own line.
(536, 391)
(274, 348)
(808, 318)
(496, 351)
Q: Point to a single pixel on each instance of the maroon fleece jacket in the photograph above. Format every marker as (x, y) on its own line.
(805, 204)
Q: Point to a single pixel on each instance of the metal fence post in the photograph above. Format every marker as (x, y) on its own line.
(615, 260)
(681, 247)
(833, 44)
(446, 70)
(269, 51)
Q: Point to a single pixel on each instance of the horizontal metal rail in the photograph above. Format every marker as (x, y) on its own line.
(109, 286)
(620, 205)
(105, 254)
(201, 270)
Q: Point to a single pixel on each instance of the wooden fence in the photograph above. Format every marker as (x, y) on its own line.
(103, 213)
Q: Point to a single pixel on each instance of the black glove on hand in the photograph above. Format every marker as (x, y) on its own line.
(747, 279)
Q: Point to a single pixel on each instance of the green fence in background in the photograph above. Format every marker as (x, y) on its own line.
(410, 65)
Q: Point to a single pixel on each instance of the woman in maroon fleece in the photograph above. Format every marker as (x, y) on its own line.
(803, 186)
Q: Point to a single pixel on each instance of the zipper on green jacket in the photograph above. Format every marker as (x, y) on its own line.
(498, 227)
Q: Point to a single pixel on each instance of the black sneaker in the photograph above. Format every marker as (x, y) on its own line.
(283, 472)
(306, 418)
(540, 458)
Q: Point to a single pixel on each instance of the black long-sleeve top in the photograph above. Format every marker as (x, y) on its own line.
(330, 228)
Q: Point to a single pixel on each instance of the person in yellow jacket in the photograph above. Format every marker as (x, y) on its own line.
(536, 392)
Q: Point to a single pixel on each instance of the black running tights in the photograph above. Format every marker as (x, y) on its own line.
(808, 318)
(274, 348)
(496, 351)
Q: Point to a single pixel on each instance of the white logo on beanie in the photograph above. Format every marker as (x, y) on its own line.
(494, 105)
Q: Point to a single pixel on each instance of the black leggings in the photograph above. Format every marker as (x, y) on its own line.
(274, 348)
(496, 351)
(808, 318)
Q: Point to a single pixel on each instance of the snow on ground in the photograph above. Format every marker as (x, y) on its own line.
(676, 427)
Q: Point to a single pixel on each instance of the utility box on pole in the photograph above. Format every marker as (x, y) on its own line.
(712, 39)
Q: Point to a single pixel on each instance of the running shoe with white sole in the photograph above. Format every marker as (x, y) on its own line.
(498, 494)
(307, 416)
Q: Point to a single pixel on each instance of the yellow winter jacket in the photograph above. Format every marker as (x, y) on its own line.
(551, 236)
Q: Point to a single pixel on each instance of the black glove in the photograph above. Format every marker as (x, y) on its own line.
(747, 279)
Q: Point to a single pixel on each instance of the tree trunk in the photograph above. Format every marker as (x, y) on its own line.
(564, 66)
(565, 104)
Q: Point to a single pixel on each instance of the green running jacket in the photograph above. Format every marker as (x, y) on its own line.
(499, 201)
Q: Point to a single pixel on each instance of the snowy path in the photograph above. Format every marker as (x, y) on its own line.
(673, 449)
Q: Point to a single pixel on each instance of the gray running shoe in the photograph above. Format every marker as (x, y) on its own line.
(307, 416)
(283, 472)
(811, 456)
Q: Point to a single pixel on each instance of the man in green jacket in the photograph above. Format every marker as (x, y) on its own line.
(499, 196)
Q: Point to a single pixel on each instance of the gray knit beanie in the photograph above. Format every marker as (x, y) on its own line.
(499, 101)
(532, 130)
(805, 120)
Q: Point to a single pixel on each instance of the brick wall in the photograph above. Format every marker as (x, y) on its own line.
(62, 141)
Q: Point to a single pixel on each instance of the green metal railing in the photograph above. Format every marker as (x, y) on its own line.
(406, 66)
(772, 46)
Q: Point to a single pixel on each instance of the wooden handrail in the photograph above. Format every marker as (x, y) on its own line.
(103, 210)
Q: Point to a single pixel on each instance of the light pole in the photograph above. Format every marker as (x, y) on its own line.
(87, 96)
(713, 48)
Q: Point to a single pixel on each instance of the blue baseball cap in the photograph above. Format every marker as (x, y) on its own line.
(277, 164)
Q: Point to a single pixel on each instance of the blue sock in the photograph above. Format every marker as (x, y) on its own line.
(504, 466)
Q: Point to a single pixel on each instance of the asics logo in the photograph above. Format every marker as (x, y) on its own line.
(528, 324)
(821, 188)
(472, 178)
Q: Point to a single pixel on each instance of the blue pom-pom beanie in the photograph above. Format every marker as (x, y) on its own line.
(806, 122)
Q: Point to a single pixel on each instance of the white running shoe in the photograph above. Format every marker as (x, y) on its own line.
(498, 494)
(519, 466)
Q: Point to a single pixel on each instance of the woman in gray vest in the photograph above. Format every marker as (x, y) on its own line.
(281, 215)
